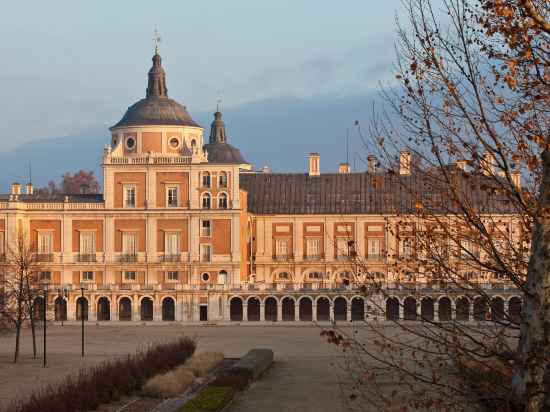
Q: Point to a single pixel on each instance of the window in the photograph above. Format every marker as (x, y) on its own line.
(2, 244)
(342, 246)
(45, 275)
(222, 180)
(172, 275)
(130, 275)
(315, 275)
(284, 276)
(129, 196)
(406, 249)
(45, 242)
(281, 248)
(206, 253)
(130, 143)
(222, 201)
(205, 179)
(374, 248)
(206, 201)
(87, 243)
(174, 142)
(87, 276)
(172, 196)
(205, 228)
(313, 248)
(129, 243)
(205, 277)
(468, 249)
(171, 244)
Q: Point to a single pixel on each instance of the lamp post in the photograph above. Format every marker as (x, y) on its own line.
(82, 317)
(45, 319)
(63, 293)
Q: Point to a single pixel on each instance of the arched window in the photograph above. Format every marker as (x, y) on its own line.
(222, 201)
(284, 276)
(222, 277)
(205, 179)
(206, 200)
(315, 275)
(222, 179)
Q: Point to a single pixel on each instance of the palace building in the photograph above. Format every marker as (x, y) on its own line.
(186, 231)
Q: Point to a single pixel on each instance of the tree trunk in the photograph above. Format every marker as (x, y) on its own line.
(534, 343)
(33, 329)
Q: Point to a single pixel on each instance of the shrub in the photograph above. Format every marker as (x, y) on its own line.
(169, 384)
(202, 363)
(107, 381)
(210, 399)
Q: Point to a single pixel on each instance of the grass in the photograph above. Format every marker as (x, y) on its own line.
(202, 363)
(169, 384)
(108, 381)
(210, 399)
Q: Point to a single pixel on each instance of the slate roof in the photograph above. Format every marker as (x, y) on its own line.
(351, 193)
(224, 153)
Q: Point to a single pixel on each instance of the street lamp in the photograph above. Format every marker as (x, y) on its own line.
(45, 319)
(63, 293)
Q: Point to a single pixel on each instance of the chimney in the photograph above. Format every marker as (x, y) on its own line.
(461, 164)
(487, 167)
(516, 179)
(344, 168)
(405, 163)
(372, 164)
(314, 164)
(29, 189)
(15, 189)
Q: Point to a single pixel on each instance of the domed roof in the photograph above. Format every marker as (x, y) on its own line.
(156, 108)
(219, 151)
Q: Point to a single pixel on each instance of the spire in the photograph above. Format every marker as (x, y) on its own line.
(157, 79)
(217, 130)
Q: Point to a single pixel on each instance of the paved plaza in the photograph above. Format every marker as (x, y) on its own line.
(304, 376)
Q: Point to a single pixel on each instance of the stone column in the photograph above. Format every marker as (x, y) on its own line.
(453, 310)
(314, 312)
(113, 312)
(262, 312)
(135, 308)
(401, 311)
(297, 311)
(245, 312)
(331, 311)
(280, 310)
(436, 311)
(348, 313)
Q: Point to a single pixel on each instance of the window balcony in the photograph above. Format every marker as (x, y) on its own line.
(313, 258)
(86, 258)
(44, 257)
(2, 257)
(167, 258)
(128, 258)
(283, 258)
(375, 258)
(344, 258)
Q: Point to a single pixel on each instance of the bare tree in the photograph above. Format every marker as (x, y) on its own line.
(470, 200)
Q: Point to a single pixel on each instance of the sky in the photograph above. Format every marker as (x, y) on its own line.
(72, 65)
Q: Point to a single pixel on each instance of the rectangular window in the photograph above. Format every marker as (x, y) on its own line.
(313, 247)
(406, 249)
(205, 228)
(281, 248)
(172, 275)
(206, 253)
(130, 275)
(45, 276)
(171, 243)
(87, 276)
(129, 196)
(374, 248)
(2, 245)
(206, 179)
(45, 242)
(342, 246)
(129, 243)
(87, 243)
(172, 196)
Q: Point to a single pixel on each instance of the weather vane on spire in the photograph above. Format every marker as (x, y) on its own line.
(219, 100)
(156, 40)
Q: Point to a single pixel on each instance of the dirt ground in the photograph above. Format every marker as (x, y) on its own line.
(302, 378)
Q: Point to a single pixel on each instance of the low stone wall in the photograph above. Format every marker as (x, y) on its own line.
(254, 363)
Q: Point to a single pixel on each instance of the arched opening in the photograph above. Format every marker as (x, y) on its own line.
(222, 179)
(222, 201)
(253, 309)
(125, 309)
(427, 309)
(82, 308)
(340, 309)
(445, 309)
(481, 309)
(168, 309)
(205, 179)
(206, 200)
(462, 309)
(38, 308)
(103, 309)
(306, 310)
(236, 309)
(271, 309)
(497, 309)
(323, 309)
(358, 309)
(289, 310)
(392, 309)
(146, 309)
(514, 309)
(409, 308)
(60, 308)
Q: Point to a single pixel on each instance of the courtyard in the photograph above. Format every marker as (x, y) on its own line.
(303, 377)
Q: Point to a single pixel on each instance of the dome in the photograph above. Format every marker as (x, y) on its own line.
(156, 111)
(156, 108)
(224, 153)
